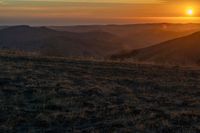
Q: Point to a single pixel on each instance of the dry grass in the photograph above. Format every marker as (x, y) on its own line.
(66, 95)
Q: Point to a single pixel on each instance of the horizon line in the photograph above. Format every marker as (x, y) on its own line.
(108, 24)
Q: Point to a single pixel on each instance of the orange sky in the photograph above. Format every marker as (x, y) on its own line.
(65, 12)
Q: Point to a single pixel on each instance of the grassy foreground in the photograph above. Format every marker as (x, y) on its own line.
(57, 96)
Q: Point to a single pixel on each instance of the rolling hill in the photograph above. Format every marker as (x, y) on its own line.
(184, 50)
(135, 36)
(2, 27)
(96, 41)
(46, 41)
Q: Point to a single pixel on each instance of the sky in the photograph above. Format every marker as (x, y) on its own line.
(75, 12)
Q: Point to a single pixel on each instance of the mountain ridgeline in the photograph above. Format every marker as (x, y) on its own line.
(50, 42)
(181, 51)
(136, 36)
(158, 43)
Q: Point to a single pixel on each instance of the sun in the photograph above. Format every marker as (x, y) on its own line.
(190, 12)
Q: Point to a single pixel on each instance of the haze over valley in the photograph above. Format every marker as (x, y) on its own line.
(101, 41)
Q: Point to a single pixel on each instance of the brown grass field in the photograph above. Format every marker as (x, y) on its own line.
(52, 95)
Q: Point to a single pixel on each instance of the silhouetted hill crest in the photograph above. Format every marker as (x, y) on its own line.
(183, 50)
(59, 43)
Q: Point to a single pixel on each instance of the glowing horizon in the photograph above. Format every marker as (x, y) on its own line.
(66, 12)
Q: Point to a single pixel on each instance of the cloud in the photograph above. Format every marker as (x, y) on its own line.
(182, 1)
(100, 1)
(92, 1)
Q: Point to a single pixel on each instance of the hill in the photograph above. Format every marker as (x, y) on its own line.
(46, 41)
(97, 41)
(184, 50)
(135, 36)
(71, 95)
(2, 27)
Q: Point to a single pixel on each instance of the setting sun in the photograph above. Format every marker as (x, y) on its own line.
(190, 12)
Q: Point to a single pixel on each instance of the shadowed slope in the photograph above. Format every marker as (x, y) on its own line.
(135, 36)
(59, 43)
(55, 95)
(184, 50)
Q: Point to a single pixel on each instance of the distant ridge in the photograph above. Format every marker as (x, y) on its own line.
(96, 41)
(135, 36)
(47, 41)
(184, 50)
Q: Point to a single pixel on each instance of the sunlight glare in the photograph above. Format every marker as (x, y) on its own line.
(190, 12)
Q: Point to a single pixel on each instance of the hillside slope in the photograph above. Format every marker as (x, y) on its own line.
(184, 50)
(72, 95)
(59, 43)
(135, 36)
